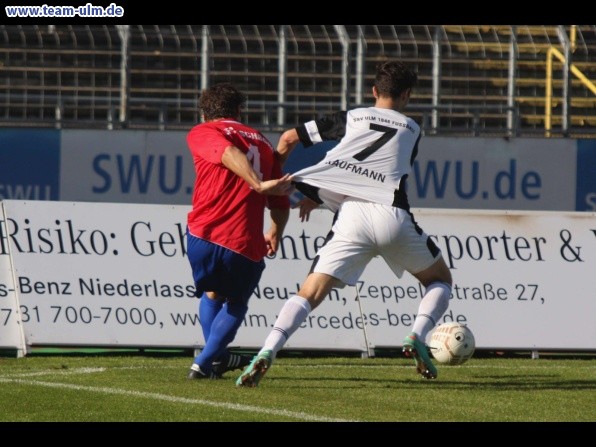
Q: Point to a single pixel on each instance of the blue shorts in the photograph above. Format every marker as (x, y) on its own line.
(218, 269)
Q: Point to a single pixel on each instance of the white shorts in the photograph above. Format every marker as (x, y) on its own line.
(363, 230)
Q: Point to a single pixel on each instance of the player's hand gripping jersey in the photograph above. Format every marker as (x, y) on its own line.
(375, 155)
(220, 213)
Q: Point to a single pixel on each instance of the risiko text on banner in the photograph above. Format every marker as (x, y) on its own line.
(117, 275)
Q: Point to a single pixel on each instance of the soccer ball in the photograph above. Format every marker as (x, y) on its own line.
(452, 343)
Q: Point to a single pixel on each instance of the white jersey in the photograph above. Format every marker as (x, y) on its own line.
(371, 162)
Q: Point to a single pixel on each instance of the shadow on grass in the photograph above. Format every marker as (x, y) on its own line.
(508, 383)
(80, 351)
(102, 352)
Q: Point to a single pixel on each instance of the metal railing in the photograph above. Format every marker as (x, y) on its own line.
(473, 79)
(568, 68)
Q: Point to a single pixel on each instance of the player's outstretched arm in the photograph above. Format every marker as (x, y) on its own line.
(237, 162)
(287, 142)
(277, 187)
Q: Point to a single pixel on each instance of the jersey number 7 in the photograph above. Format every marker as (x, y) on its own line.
(388, 133)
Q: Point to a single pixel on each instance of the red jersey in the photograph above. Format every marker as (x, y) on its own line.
(225, 209)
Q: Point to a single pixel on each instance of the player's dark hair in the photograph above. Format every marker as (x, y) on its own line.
(393, 77)
(221, 101)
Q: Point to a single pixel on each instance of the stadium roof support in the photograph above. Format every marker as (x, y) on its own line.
(345, 67)
(511, 81)
(282, 77)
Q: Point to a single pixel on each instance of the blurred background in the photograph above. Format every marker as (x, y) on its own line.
(474, 80)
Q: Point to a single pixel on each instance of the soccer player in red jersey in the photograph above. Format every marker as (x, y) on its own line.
(238, 175)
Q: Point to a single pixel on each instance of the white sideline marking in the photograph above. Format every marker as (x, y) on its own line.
(183, 400)
(57, 372)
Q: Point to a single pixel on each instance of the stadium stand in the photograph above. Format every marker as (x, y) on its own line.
(474, 79)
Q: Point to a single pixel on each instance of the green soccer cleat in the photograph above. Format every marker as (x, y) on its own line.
(255, 371)
(414, 348)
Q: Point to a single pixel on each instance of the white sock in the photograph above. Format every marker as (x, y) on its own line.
(433, 305)
(291, 316)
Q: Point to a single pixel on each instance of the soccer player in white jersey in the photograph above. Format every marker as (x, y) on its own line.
(363, 180)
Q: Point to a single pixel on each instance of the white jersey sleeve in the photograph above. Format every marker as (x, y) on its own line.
(373, 158)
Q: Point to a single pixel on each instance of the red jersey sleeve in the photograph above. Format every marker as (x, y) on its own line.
(208, 142)
(282, 202)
